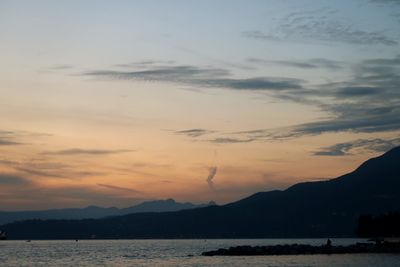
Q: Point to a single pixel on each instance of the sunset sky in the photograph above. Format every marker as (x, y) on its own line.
(111, 103)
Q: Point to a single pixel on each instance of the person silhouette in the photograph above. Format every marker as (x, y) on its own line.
(328, 243)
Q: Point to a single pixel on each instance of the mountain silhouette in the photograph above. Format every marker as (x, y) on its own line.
(310, 209)
(94, 212)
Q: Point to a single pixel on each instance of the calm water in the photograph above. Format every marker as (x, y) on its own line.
(172, 253)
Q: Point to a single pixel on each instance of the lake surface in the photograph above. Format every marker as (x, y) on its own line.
(174, 253)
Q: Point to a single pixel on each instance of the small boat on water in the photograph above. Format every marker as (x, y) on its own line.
(3, 235)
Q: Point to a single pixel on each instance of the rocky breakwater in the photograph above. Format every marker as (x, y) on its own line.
(300, 249)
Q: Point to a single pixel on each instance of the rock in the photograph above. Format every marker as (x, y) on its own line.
(301, 249)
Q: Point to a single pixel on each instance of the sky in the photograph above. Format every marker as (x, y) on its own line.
(111, 103)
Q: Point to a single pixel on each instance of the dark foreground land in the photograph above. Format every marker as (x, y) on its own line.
(298, 249)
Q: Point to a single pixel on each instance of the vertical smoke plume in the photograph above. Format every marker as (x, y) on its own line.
(211, 173)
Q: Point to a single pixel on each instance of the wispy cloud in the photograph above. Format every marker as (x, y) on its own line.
(256, 84)
(5, 142)
(7, 138)
(11, 179)
(343, 149)
(147, 63)
(174, 73)
(203, 77)
(368, 101)
(62, 67)
(314, 63)
(197, 132)
(12, 138)
(80, 151)
(396, 2)
(119, 188)
(334, 32)
(320, 25)
(45, 168)
(21, 193)
(230, 140)
(23, 187)
(57, 173)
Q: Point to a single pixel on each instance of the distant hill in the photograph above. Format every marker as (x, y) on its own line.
(311, 209)
(94, 212)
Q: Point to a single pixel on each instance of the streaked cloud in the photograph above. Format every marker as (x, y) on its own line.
(20, 195)
(314, 63)
(256, 84)
(146, 63)
(357, 91)
(344, 149)
(11, 179)
(81, 151)
(197, 132)
(367, 102)
(62, 67)
(118, 188)
(7, 138)
(229, 140)
(46, 168)
(5, 142)
(320, 25)
(327, 33)
(171, 73)
(58, 173)
(396, 2)
(201, 76)
(12, 138)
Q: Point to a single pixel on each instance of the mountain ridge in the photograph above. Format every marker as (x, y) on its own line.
(309, 209)
(96, 212)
